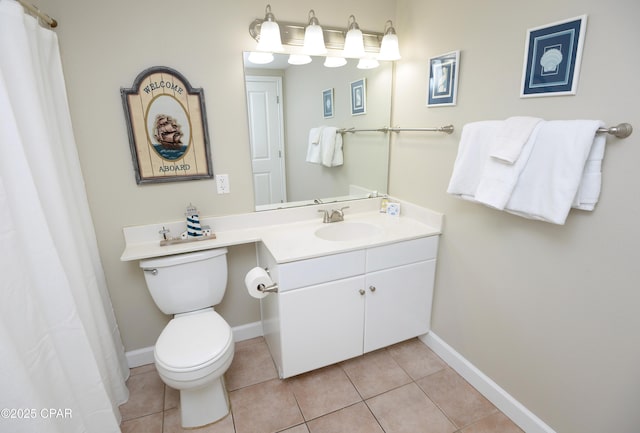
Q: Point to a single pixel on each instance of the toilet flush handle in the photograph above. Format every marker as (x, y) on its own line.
(153, 271)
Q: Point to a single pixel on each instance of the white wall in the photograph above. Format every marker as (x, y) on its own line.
(549, 312)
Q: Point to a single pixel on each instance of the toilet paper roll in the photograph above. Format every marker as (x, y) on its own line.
(254, 278)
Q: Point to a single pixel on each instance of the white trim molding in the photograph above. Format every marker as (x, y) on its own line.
(512, 408)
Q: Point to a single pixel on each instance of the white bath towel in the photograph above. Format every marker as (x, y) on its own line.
(473, 152)
(511, 139)
(314, 150)
(331, 145)
(550, 181)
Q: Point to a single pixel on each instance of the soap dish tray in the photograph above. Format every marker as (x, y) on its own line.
(173, 241)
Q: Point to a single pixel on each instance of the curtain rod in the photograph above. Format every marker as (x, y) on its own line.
(41, 15)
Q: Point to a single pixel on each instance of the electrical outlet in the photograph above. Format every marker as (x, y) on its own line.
(222, 182)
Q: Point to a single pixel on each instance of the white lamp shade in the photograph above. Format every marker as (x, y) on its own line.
(365, 63)
(334, 62)
(314, 40)
(354, 44)
(260, 58)
(298, 59)
(269, 37)
(389, 48)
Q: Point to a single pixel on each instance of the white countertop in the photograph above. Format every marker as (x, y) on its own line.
(289, 233)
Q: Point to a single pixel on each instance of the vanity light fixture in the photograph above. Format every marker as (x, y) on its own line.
(353, 42)
(269, 37)
(389, 47)
(314, 37)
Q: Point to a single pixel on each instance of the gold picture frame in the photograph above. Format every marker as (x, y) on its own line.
(167, 125)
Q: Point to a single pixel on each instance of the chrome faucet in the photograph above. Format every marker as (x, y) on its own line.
(334, 216)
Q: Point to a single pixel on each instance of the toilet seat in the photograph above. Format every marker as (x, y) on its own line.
(194, 345)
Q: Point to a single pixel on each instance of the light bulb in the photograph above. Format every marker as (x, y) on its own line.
(298, 59)
(353, 42)
(334, 62)
(314, 37)
(269, 33)
(389, 49)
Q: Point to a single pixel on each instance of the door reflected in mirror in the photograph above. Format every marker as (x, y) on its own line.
(292, 113)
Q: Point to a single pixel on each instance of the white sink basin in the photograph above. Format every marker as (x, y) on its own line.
(347, 231)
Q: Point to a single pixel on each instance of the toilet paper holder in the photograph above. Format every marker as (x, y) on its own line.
(271, 288)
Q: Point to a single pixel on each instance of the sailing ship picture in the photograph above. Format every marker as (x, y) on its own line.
(167, 131)
(167, 126)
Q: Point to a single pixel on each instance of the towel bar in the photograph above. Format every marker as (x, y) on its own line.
(622, 130)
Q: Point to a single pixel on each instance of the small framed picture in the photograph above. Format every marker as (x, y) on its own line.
(443, 79)
(358, 97)
(327, 103)
(552, 58)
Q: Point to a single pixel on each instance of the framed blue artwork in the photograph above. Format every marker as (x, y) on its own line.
(552, 57)
(443, 79)
(327, 103)
(358, 97)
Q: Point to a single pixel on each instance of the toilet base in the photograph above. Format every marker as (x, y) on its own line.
(204, 405)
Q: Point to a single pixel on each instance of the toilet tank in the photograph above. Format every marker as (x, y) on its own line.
(187, 282)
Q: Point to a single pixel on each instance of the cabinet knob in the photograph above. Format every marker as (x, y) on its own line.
(362, 292)
(372, 288)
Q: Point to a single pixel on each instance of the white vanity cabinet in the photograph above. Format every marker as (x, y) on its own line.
(332, 308)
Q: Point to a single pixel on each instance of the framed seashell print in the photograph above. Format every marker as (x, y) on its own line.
(552, 58)
(443, 79)
(167, 126)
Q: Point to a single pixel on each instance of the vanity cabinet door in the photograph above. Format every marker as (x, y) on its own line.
(321, 324)
(398, 304)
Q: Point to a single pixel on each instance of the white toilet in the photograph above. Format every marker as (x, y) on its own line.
(196, 347)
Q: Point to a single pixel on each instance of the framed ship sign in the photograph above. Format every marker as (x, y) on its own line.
(167, 126)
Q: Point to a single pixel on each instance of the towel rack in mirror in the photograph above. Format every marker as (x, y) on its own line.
(448, 129)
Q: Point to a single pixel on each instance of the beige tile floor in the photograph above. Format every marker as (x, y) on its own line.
(404, 388)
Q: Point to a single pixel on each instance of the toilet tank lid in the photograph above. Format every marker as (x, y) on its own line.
(178, 259)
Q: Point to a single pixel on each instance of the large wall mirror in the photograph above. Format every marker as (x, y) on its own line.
(285, 103)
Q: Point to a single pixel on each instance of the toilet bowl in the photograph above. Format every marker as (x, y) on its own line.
(196, 347)
(191, 355)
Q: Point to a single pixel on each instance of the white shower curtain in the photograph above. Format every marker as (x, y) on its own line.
(62, 365)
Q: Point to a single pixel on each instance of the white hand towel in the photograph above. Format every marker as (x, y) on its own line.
(328, 145)
(338, 156)
(314, 150)
(549, 182)
(473, 152)
(499, 179)
(589, 191)
(512, 138)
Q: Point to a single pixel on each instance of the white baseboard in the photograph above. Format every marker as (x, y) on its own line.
(519, 414)
(144, 356)
(139, 357)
